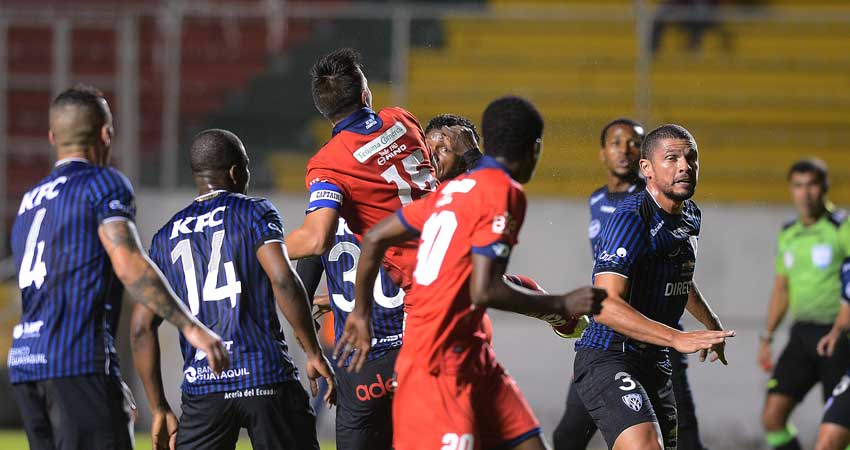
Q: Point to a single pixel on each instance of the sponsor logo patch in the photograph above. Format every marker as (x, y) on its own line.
(381, 142)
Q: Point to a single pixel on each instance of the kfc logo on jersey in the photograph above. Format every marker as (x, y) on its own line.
(211, 219)
(47, 191)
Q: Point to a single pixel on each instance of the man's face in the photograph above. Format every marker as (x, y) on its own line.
(673, 168)
(807, 192)
(526, 171)
(447, 163)
(621, 153)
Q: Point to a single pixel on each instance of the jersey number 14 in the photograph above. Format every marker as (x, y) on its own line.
(212, 292)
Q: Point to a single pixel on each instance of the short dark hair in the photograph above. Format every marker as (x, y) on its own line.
(451, 120)
(87, 98)
(811, 165)
(510, 127)
(621, 121)
(216, 150)
(336, 83)
(669, 131)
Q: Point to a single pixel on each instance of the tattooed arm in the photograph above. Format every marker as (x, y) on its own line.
(147, 286)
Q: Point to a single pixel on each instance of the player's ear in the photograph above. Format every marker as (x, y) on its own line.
(646, 168)
(106, 134)
(51, 138)
(233, 175)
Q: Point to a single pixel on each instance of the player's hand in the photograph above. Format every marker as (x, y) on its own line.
(694, 341)
(717, 351)
(203, 339)
(356, 340)
(320, 367)
(584, 300)
(765, 358)
(459, 139)
(163, 430)
(321, 305)
(826, 345)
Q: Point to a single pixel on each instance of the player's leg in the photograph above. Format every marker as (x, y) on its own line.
(620, 406)
(834, 432)
(32, 406)
(794, 375)
(208, 422)
(106, 422)
(278, 417)
(833, 369)
(688, 429)
(576, 427)
(364, 405)
(502, 415)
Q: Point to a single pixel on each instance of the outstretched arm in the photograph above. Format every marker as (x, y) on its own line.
(147, 286)
(314, 237)
(622, 318)
(144, 341)
(292, 300)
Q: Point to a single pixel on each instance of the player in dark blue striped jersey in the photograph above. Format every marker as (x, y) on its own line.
(364, 415)
(225, 257)
(645, 260)
(75, 244)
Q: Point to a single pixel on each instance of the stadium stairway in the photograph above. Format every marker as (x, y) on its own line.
(757, 95)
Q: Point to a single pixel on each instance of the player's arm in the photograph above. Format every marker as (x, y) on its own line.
(488, 289)
(701, 311)
(314, 237)
(356, 338)
(292, 299)
(144, 341)
(147, 286)
(776, 310)
(826, 346)
(310, 270)
(622, 318)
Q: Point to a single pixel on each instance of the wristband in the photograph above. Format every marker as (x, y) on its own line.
(766, 336)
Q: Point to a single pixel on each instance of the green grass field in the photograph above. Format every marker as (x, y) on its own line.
(17, 440)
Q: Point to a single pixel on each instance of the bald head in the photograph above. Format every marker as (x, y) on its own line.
(218, 159)
(77, 120)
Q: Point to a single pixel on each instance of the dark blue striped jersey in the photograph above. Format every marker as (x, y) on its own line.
(71, 298)
(657, 252)
(602, 205)
(387, 313)
(208, 253)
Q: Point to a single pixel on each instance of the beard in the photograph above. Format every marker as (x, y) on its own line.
(680, 196)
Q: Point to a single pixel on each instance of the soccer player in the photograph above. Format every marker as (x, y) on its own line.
(834, 432)
(75, 245)
(620, 143)
(808, 283)
(467, 229)
(364, 398)
(375, 163)
(225, 257)
(645, 259)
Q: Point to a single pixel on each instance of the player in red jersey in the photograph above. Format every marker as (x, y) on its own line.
(466, 231)
(375, 163)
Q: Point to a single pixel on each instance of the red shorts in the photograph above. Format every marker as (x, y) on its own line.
(479, 408)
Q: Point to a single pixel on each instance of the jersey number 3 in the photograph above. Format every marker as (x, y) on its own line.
(212, 292)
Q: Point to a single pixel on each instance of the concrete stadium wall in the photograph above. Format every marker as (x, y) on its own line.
(734, 271)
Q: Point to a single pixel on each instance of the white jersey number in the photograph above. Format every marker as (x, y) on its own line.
(436, 237)
(421, 177)
(349, 275)
(33, 269)
(212, 292)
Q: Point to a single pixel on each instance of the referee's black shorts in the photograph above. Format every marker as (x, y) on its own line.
(800, 367)
(276, 417)
(87, 412)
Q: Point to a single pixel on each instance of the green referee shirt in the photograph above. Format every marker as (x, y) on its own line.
(811, 257)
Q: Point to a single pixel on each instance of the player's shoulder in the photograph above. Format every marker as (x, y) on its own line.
(634, 211)
(837, 217)
(397, 112)
(260, 205)
(597, 195)
(104, 178)
(692, 209)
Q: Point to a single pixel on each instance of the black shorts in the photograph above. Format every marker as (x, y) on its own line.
(88, 412)
(364, 405)
(837, 409)
(276, 417)
(800, 367)
(623, 389)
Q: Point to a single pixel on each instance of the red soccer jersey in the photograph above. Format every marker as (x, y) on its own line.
(479, 212)
(374, 164)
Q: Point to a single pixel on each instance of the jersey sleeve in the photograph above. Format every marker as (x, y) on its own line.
(112, 196)
(623, 241)
(414, 215)
(327, 188)
(266, 225)
(497, 229)
(779, 262)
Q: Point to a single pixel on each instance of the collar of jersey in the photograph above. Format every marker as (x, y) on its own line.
(488, 162)
(64, 161)
(660, 209)
(209, 195)
(356, 122)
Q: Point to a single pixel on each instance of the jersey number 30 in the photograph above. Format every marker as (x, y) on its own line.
(212, 292)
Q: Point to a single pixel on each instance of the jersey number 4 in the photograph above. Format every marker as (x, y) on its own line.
(212, 292)
(33, 269)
